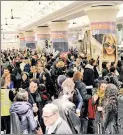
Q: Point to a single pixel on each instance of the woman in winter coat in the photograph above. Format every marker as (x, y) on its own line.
(110, 110)
(77, 77)
(24, 111)
(97, 100)
(25, 81)
(46, 79)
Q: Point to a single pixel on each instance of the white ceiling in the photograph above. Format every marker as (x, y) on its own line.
(28, 12)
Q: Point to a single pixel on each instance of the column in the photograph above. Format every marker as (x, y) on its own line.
(42, 35)
(103, 32)
(22, 45)
(30, 40)
(59, 36)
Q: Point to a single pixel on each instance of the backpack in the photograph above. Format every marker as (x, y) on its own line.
(18, 76)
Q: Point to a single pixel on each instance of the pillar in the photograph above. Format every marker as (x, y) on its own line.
(59, 36)
(30, 40)
(103, 32)
(42, 34)
(22, 45)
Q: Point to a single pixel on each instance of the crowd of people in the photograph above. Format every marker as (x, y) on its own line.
(47, 94)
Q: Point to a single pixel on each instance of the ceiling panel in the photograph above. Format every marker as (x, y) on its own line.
(28, 11)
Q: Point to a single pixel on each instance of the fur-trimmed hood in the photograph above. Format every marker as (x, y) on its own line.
(89, 66)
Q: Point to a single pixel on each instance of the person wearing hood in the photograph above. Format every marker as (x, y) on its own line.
(67, 112)
(24, 111)
(25, 80)
(88, 76)
(60, 80)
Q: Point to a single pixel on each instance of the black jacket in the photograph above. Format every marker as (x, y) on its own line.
(24, 84)
(88, 75)
(82, 89)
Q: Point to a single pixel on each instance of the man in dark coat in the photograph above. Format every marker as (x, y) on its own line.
(35, 99)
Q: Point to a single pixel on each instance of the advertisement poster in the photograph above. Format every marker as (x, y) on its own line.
(30, 42)
(22, 43)
(60, 41)
(104, 34)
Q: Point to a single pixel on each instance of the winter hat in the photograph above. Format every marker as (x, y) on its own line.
(61, 79)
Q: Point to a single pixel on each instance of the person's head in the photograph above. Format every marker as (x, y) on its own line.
(119, 63)
(33, 69)
(39, 63)
(111, 90)
(77, 76)
(91, 61)
(102, 86)
(50, 114)
(22, 95)
(25, 76)
(61, 79)
(78, 61)
(108, 65)
(109, 44)
(70, 73)
(112, 63)
(112, 69)
(8, 78)
(6, 71)
(68, 87)
(40, 69)
(33, 85)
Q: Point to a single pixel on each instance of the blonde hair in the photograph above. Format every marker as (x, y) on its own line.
(113, 39)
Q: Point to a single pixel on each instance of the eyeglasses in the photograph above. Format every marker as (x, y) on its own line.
(47, 117)
(107, 45)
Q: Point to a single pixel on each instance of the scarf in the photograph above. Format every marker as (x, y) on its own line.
(101, 96)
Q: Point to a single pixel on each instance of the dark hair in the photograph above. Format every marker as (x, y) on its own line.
(112, 69)
(91, 61)
(119, 63)
(70, 73)
(112, 63)
(104, 65)
(34, 81)
(21, 96)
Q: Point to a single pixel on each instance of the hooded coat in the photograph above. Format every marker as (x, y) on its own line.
(88, 75)
(26, 117)
(67, 112)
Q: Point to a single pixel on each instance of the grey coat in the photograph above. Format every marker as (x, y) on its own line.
(82, 89)
(67, 112)
(62, 128)
(26, 117)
